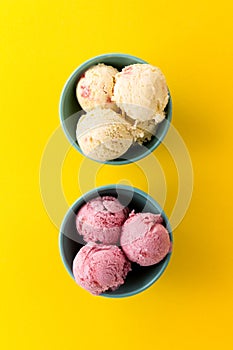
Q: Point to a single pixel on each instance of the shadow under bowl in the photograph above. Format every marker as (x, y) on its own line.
(70, 242)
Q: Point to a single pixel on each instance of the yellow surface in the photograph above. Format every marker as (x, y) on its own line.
(41, 42)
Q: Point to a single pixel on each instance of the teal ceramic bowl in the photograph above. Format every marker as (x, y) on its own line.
(70, 110)
(70, 242)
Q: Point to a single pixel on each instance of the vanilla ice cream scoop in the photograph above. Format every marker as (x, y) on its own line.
(103, 134)
(95, 87)
(143, 131)
(141, 92)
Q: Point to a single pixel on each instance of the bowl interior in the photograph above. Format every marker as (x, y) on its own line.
(140, 277)
(70, 110)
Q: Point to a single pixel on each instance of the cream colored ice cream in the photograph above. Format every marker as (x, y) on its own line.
(95, 88)
(143, 131)
(141, 92)
(103, 134)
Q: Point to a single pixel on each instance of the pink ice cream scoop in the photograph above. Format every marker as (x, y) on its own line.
(99, 268)
(101, 220)
(144, 240)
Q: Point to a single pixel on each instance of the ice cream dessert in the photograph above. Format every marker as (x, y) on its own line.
(103, 134)
(95, 87)
(114, 239)
(141, 92)
(144, 239)
(100, 268)
(123, 108)
(143, 131)
(101, 219)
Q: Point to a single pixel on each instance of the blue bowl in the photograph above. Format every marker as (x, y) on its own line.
(70, 111)
(70, 242)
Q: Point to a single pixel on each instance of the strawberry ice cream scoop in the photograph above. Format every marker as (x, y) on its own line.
(144, 239)
(95, 87)
(99, 268)
(101, 220)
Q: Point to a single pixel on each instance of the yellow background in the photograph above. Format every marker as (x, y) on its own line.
(41, 43)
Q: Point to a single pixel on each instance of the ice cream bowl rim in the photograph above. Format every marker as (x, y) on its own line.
(106, 190)
(148, 147)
